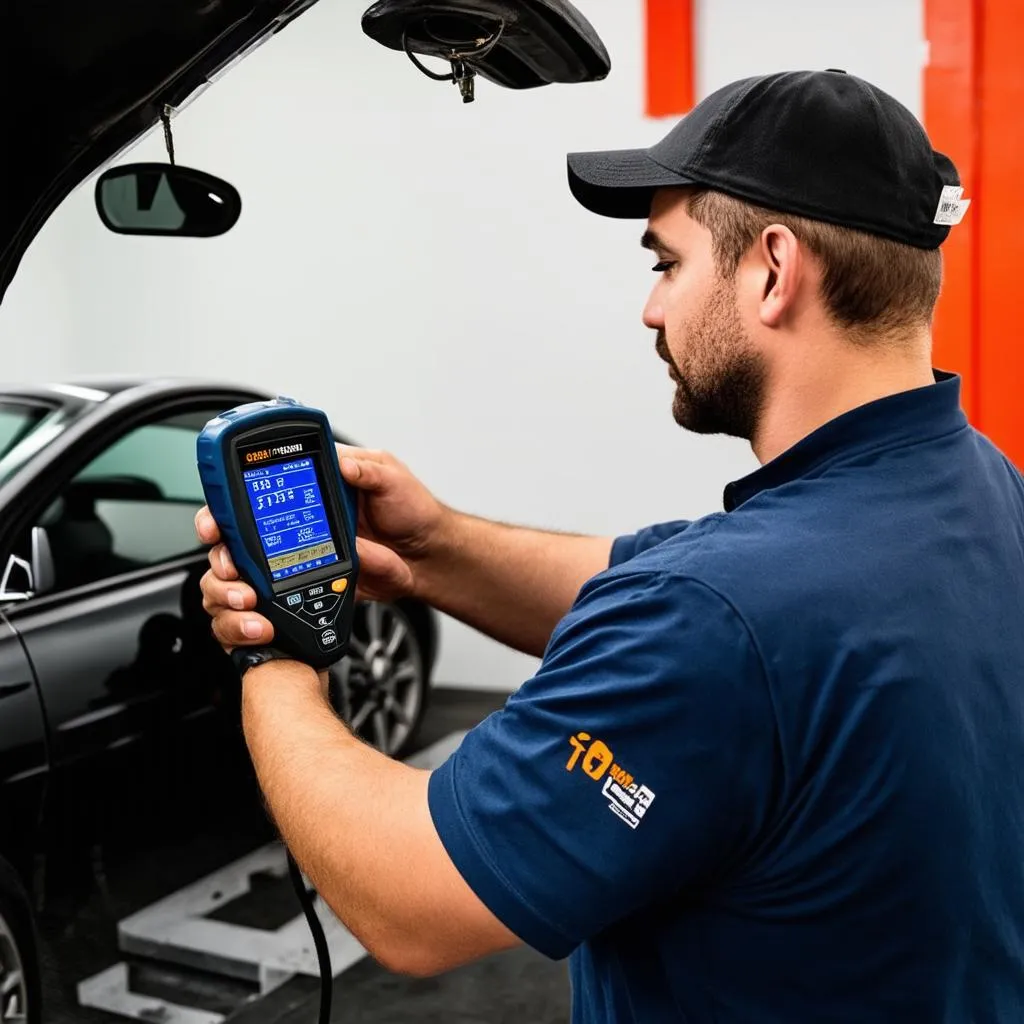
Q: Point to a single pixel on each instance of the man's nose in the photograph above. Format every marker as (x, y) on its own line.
(653, 316)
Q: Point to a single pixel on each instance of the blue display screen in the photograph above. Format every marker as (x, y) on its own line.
(290, 517)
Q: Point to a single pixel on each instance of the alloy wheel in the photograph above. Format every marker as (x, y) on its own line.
(379, 687)
(13, 987)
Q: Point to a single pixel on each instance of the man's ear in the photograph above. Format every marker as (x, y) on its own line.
(781, 259)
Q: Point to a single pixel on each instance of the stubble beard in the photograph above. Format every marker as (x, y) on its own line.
(721, 378)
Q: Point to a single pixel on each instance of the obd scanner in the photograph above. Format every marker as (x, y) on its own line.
(271, 479)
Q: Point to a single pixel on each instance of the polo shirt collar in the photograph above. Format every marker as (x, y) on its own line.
(908, 416)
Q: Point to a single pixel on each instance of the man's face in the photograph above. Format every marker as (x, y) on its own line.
(719, 374)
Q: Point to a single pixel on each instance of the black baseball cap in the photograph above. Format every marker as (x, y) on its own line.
(821, 144)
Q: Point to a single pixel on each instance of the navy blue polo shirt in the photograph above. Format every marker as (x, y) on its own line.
(771, 767)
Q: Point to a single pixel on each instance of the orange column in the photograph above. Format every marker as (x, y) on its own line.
(999, 358)
(670, 62)
(974, 93)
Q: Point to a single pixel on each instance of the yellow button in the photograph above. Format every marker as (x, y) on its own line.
(339, 586)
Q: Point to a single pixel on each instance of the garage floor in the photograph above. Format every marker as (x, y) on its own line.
(83, 957)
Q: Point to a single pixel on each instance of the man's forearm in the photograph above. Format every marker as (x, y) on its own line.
(331, 797)
(509, 582)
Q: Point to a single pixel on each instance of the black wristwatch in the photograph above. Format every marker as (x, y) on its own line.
(245, 658)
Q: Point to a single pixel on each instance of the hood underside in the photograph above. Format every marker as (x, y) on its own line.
(82, 79)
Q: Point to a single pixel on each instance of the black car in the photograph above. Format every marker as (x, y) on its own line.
(114, 697)
(116, 704)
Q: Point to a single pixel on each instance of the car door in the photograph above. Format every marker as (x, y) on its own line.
(23, 760)
(132, 683)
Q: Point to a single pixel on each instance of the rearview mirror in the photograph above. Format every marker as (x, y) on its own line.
(518, 44)
(166, 199)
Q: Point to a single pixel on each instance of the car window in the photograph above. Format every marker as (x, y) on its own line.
(162, 453)
(132, 507)
(24, 430)
(15, 422)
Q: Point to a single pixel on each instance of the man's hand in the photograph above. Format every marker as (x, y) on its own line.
(398, 520)
(398, 517)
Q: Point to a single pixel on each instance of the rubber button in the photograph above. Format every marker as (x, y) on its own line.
(321, 620)
(321, 604)
(339, 586)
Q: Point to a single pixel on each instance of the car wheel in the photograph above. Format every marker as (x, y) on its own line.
(380, 688)
(20, 996)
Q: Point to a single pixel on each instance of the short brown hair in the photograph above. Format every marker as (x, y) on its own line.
(870, 285)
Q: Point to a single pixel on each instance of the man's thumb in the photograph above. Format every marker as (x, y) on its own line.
(363, 473)
(382, 568)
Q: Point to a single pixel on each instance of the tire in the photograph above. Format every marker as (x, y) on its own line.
(20, 987)
(381, 687)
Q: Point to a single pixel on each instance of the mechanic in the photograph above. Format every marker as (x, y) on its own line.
(771, 766)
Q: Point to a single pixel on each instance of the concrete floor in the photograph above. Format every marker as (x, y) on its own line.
(509, 988)
(79, 933)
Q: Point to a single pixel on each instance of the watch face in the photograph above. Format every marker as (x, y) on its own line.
(245, 657)
(250, 656)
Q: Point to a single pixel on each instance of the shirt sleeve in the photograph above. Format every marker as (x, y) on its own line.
(630, 545)
(638, 761)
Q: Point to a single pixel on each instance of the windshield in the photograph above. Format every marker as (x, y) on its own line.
(26, 429)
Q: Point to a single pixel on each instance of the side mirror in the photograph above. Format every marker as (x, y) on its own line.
(18, 573)
(166, 199)
(33, 578)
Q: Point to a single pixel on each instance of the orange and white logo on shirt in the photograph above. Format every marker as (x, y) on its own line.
(626, 797)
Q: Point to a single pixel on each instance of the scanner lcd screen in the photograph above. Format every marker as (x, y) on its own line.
(288, 507)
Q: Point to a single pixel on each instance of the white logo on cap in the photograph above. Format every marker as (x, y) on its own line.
(951, 208)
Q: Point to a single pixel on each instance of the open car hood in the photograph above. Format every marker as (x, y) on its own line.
(82, 79)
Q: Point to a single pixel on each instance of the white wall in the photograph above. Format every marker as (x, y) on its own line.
(879, 40)
(36, 332)
(418, 267)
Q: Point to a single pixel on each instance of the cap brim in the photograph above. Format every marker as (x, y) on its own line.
(619, 183)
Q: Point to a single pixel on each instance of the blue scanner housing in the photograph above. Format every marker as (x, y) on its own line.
(270, 475)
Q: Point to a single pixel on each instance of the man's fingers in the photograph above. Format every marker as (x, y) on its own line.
(242, 629)
(206, 527)
(230, 605)
(219, 594)
(221, 563)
